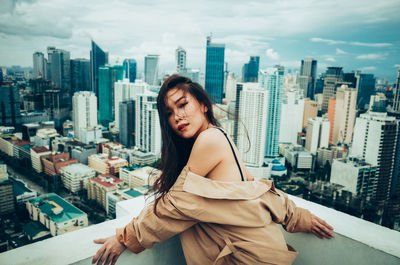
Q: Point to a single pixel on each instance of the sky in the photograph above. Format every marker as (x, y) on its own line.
(355, 34)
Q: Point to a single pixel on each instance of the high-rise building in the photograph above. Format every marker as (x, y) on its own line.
(214, 79)
(310, 111)
(60, 68)
(80, 75)
(307, 77)
(130, 69)
(84, 112)
(376, 143)
(127, 123)
(151, 69)
(50, 51)
(108, 76)
(344, 116)
(272, 81)
(7, 202)
(57, 103)
(250, 69)
(180, 57)
(230, 90)
(253, 111)
(355, 175)
(317, 134)
(292, 117)
(396, 100)
(365, 89)
(97, 58)
(125, 90)
(9, 105)
(333, 78)
(39, 65)
(147, 131)
(364, 84)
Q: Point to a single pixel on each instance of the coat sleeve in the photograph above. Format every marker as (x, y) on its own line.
(284, 211)
(146, 229)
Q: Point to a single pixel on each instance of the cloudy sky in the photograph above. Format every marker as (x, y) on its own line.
(355, 34)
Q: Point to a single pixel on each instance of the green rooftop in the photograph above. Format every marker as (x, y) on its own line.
(133, 193)
(68, 211)
(33, 228)
(19, 187)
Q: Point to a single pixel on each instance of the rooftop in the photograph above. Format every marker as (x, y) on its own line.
(40, 149)
(356, 241)
(77, 168)
(107, 180)
(19, 187)
(133, 193)
(56, 208)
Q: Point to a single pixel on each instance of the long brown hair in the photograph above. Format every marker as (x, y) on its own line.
(175, 150)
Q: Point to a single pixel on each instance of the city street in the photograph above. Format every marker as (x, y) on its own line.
(31, 185)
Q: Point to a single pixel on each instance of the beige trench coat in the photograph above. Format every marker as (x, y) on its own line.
(220, 222)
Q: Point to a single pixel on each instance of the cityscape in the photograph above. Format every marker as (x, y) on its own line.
(81, 135)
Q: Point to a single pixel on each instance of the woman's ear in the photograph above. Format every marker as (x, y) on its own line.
(205, 109)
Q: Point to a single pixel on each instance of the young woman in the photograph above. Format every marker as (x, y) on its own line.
(207, 195)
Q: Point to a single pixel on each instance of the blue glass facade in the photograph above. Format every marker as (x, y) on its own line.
(108, 75)
(250, 70)
(214, 83)
(272, 80)
(130, 69)
(97, 58)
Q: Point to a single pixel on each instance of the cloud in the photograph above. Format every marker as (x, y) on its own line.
(377, 45)
(353, 43)
(368, 68)
(340, 51)
(327, 41)
(372, 56)
(397, 65)
(329, 58)
(271, 54)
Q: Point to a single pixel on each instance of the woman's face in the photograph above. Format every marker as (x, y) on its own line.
(186, 115)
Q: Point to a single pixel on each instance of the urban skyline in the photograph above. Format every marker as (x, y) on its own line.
(280, 33)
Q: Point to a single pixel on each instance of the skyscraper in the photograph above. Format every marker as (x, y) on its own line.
(125, 90)
(80, 75)
(250, 69)
(97, 58)
(9, 105)
(84, 111)
(180, 56)
(214, 79)
(147, 131)
(127, 123)
(130, 68)
(292, 116)
(307, 77)
(317, 134)
(108, 75)
(333, 78)
(151, 69)
(39, 65)
(253, 111)
(272, 81)
(60, 68)
(396, 100)
(344, 116)
(365, 88)
(376, 143)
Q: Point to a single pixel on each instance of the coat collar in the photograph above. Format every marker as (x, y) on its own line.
(231, 190)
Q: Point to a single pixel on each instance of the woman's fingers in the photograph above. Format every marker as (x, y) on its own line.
(100, 240)
(98, 254)
(320, 228)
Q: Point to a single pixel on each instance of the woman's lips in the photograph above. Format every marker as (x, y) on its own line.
(183, 126)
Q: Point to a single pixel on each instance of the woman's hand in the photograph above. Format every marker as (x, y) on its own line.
(109, 252)
(320, 228)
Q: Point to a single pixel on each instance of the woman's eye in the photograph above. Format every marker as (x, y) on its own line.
(183, 104)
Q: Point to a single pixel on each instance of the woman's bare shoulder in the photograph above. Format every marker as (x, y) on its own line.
(206, 152)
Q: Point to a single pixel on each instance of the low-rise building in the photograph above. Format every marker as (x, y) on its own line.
(22, 193)
(328, 154)
(105, 164)
(7, 202)
(53, 163)
(44, 136)
(56, 214)
(36, 153)
(99, 186)
(297, 156)
(76, 176)
(140, 158)
(117, 196)
(136, 177)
